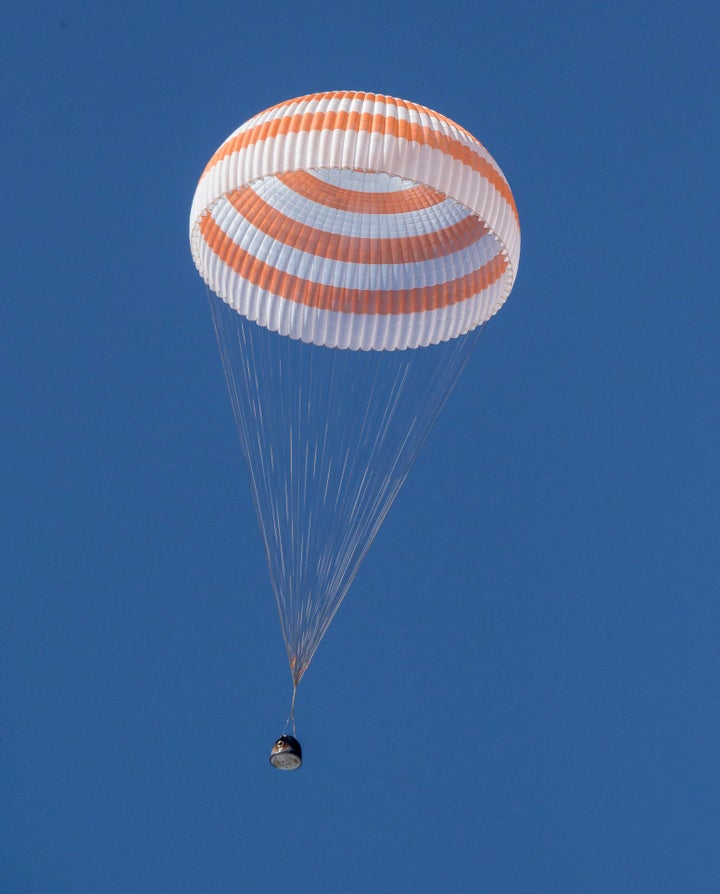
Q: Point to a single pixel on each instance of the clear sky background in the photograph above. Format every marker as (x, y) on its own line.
(520, 692)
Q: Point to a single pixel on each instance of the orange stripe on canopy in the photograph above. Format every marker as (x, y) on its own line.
(356, 250)
(342, 299)
(399, 201)
(370, 123)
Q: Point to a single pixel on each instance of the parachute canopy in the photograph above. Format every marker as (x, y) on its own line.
(354, 220)
(353, 246)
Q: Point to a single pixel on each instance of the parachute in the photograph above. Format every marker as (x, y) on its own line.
(353, 246)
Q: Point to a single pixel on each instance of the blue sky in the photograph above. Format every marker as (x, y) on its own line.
(520, 693)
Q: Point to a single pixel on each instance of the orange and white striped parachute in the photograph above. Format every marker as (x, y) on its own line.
(344, 221)
(354, 220)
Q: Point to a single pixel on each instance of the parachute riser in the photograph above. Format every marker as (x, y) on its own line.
(290, 722)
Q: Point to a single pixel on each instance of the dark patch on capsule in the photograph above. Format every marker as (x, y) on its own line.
(286, 753)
